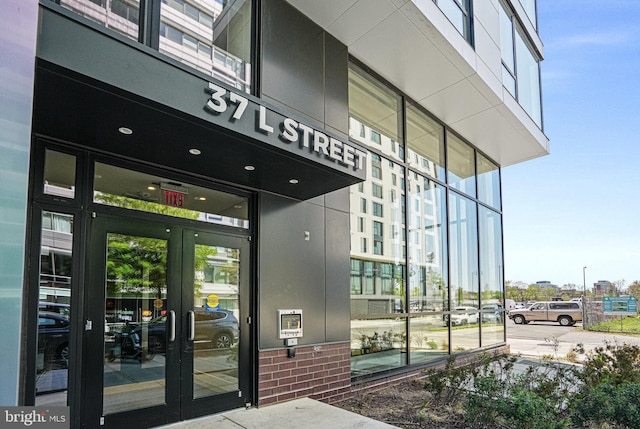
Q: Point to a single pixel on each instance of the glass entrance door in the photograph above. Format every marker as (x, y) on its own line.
(173, 342)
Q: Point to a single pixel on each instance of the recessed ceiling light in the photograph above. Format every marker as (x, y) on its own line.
(293, 181)
(126, 131)
(237, 206)
(151, 188)
(201, 198)
(195, 151)
(249, 167)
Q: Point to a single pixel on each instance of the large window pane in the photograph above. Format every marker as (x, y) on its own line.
(465, 335)
(506, 40)
(463, 251)
(530, 8)
(59, 174)
(457, 11)
(378, 240)
(54, 309)
(134, 367)
(429, 338)
(488, 182)
(492, 294)
(121, 16)
(211, 36)
(425, 141)
(377, 345)
(374, 111)
(428, 289)
(133, 190)
(461, 164)
(528, 78)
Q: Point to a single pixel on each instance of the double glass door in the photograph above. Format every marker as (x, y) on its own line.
(166, 335)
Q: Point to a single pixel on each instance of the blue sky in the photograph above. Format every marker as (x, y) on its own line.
(580, 205)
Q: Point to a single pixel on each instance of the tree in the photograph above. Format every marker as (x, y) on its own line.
(619, 286)
(515, 293)
(548, 293)
(634, 289)
(532, 293)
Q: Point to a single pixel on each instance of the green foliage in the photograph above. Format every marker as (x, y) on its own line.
(533, 399)
(145, 206)
(612, 364)
(604, 392)
(447, 385)
(627, 324)
(606, 404)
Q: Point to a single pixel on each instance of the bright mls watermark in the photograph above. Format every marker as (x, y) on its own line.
(34, 417)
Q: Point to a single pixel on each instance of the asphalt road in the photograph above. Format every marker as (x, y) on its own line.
(541, 339)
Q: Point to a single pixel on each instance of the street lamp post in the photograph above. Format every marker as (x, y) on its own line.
(584, 297)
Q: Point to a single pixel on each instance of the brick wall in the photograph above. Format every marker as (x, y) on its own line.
(324, 373)
(320, 372)
(417, 374)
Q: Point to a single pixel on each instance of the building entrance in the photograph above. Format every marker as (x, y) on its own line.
(173, 322)
(143, 293)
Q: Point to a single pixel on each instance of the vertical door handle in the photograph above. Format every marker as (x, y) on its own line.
(172, 325)
(192, 325)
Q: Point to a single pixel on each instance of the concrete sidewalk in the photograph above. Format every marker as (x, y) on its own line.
(302, 413)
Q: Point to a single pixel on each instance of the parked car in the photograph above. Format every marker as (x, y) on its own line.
(468, 317)
(53, 339)
(55, 307)
(492, 313)
(214, 329)
(566, 313)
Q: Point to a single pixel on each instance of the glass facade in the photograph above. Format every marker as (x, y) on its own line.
(457, 11)
(520, 66)
(531, 9)
(211, 36)
(426, 238)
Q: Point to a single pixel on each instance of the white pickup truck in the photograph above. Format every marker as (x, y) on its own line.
(566, 313)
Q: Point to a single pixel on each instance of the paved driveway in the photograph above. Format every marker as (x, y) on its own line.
(549, 339)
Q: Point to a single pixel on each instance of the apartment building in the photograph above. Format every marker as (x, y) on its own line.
(213, 204)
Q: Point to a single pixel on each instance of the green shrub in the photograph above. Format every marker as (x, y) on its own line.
(612, 364)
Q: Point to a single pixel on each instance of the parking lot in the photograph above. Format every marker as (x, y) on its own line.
(539, 339)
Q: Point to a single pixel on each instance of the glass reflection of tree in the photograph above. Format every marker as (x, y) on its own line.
(145, 206)
(136, 264)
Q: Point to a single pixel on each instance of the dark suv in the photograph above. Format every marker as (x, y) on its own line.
(214, 330)
(53, 339)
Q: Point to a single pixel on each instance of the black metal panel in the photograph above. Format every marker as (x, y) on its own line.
(338, 200)
(336, 84)
(338, 309)
(292, 59)
(89, 84)
(292, 269)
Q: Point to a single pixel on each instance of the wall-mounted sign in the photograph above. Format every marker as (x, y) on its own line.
(622, 305)
(173, 199)
(247, 115)
(173, 194)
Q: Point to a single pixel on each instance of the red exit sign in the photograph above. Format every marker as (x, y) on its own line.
(173, 198)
